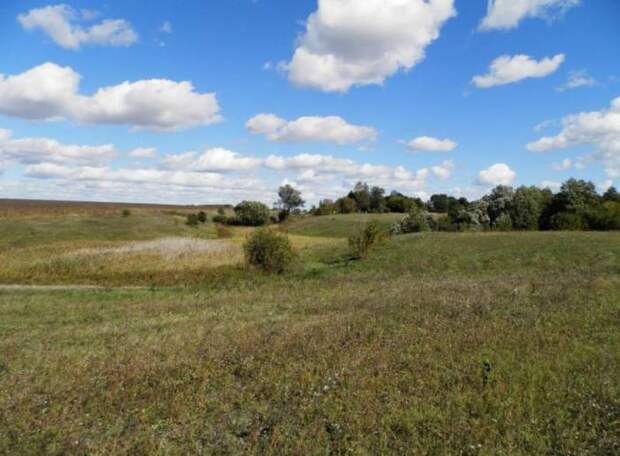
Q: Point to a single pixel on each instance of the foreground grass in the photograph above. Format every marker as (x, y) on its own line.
(438, 344)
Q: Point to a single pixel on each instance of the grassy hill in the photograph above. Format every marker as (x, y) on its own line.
(337, 226)
(441, 343)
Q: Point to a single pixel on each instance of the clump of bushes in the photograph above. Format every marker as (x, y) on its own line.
(196, 219)
(220, 218)
(269, 251)
(125, 213)
(192, 220)
(361, 242)
(414, 222)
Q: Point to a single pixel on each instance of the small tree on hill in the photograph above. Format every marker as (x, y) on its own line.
(290, 199)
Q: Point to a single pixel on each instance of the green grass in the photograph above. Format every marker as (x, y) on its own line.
(464, 343)
(337, 226)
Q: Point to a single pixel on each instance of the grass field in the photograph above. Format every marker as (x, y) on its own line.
(455, 343)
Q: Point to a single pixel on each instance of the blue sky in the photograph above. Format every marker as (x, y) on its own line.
(338, 90)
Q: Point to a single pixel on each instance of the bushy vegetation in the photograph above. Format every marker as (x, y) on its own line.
(577, 206)
(362, 241)
(125, 213)
(247, 213)
(269, 251)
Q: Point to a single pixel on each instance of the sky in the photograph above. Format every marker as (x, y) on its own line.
(218, 101)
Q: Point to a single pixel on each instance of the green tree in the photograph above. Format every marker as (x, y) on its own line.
(611, 195)
(251, 213)
(377, 200)
(326, 207)
(346, 205)
(499, 202)
(290, 199)
(361, 195)
(526, 208)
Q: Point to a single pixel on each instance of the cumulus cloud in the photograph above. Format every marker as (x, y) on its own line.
(354, 43)
(600, 129)
(506, 14)
(62, 24)
(577, 79)
(565, 164)
(444, 170)
(430, 144)
(330, 129)
(509, 69)
(215, 160)
(143, 152)
(497, 174)
(51, 92)
(36, 150)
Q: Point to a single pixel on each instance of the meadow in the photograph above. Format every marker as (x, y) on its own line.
(142, 335)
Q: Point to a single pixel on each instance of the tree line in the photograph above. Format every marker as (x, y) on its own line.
(576, 206)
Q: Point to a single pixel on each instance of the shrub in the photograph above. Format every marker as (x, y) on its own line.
(441, 223)
(251, 213)
(361, 242)
(220, 218)
(414, 222)
(269, 251)
(125, 213)
(604, 217)
(202, 216)
(503, 222)
(567, 221)
(192, 219)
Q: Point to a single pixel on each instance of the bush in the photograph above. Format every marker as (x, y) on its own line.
(202, 217)
(567, 221)
(441, 223)
(192, 219)
(250, 213)
(414, 222)
(269, 251)
(125, 213)
(361, 242)
(220, 218)
(605, 217)
(503, 222)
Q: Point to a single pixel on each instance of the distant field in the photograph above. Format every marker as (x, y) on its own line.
(440, 343)
(30, 208)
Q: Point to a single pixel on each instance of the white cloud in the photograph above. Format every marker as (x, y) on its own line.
(211, 160)
(600, 129)
(565, 164)
(36, 150)
(166, 27)
(506, 14)
(354, 43)
(51, 92)
(61, 24)
(577, 79)
(330, 129)
(444, 170)
(509, 69)
(551, 185)
(430, 144)
(497, 174)
(143, 152)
